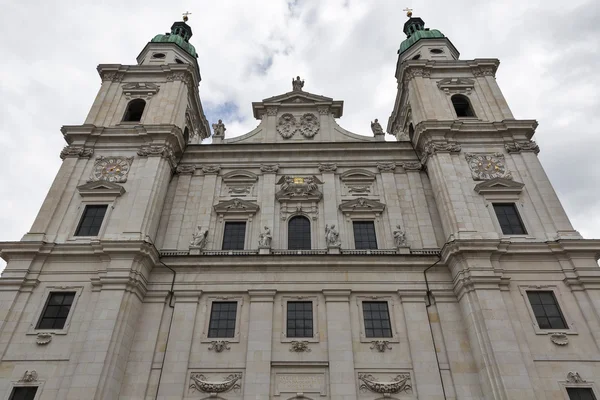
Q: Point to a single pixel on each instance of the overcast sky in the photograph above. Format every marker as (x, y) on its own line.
(249, 50)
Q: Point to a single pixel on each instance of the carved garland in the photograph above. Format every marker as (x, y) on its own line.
(76, 151)
(400, 384)
(164, 151)
(201, 384)
(517, 147)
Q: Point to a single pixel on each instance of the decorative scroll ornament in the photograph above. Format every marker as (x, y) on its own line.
(286, 126)
(381, 345)
(487, 166)
(76, 151)
(386, 167)
(299, 346)
(43, 338)
(416, 71)
(517, 147)
(29, 376)
(272, 168)
(400, 384)
(163, 151)
(111, 169)
(412, 165)
(327, 167)
(574, 377)
(219, 345)
(185, 169)
(201, 384)
(439, 147)
(559, 339)
(211, 169)
(309, 125)
(483, 71)
(359, 189)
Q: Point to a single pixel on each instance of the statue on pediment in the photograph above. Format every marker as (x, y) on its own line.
(376, 128)
(297, 84)
(219, 129)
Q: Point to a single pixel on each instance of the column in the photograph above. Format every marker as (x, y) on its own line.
(260, 334)
(342, 381)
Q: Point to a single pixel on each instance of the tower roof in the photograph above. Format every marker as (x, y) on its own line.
(180, 35)
(415, 30)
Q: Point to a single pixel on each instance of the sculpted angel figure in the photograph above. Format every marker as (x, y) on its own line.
(288, 180)
(219, 129)
(199, 238)
(400, 237)
(376, 128)
(264, 239)
(332, 236)
(311, 184)
(297, 84)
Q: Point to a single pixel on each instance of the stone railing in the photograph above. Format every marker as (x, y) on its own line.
(285, 252)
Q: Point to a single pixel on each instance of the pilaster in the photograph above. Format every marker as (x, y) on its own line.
(392, 202)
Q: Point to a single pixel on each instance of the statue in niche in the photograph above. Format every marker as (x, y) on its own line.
(199, 238)
(376, 128)
(297, 84)
(332, 236)
(219, 129)
(400, 237)
(264, 239)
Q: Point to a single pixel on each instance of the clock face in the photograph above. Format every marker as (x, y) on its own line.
(111, 169)
(487, 167)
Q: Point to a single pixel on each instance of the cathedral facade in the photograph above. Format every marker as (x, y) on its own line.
(301, 260)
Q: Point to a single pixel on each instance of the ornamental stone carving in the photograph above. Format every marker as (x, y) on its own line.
(138, 90)
(111, 169)
(112, 76)
(327, 167)
(272, 111)
(332, 236)
(43, 338)
(381, 345)
(286, 126)
(163, 151)
(574, 377)
(416, 71)
(309, 125)
(219, 129)
(29, 376)
(483, 71)
(76, 151)
(400, 384)
(559, 339)
(211, 169)
(199, 238)
(376, 128)
(400, 237)
(412, 165)
(456, 85)
(185, 169)
(297, 84)
(487, 166)
(200, 383)
(299, 187)
(323, 110)
(219, 345)
(299, 347)
(183, 76)
(439, 147)
(517, 147)
(265, 238)
(386, 167)
(269, 168)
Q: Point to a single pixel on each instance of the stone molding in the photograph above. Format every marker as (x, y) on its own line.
(185, 169)
(499, 186)
(412, 165)
(140, 90)
(522, 146)
(236, 206)
(327, 167)
(452, 86)
(100, 188)
(76, 151)
(269, 168)
(112, 76)
(165, 151)
(484, 71)
(386, 167)
(211, 169)
(272, 111)
(433, 148)
(323, 110)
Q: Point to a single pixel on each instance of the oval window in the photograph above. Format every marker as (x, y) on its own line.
(416, 57)
(178, 61)
(436, 51)
(158, 55)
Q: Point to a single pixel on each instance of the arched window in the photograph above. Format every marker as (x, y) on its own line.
(299, 233)
(134, 112)
(462, 106)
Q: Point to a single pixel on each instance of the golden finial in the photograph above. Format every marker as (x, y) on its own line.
(408, 12)
(185, 16)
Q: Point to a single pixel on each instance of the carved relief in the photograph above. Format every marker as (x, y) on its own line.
(416, 71)
(386, 167)
(381, 345)
(574, 377)
(185, 169)
(111, 169)
(358, 182)
(439, 147)
(400, 237)
(29, 376)
(183, 76)
(163, 151)
(517, 147)
(265, 238)
(309, 125)
(456, 85)
(286, 126)
(487, 166)
(269, 168)
(361, 205)
(219, 345)
(299, 346)
(113, 76)
(400, 384)
(43, 338)
(323, 110)
(299, 187)
(211, 169)
(138, 90)
(559, 339)
(200, 383)
(412, 165)
(76, 151)
(483, 71)
(272, 111)
(236, 206)
(327, 167)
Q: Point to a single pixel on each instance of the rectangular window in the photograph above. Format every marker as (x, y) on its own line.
(580, 394)
(91, 220)
(299, 319)
(56, 311)
(222, 319)
(234, 236)
(509, 219)
(23, 393)
(546, 310)
(377, 319)
(364, 235)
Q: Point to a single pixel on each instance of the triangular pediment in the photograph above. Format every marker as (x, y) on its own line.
(362, 204)
(234, 206)
(101, 188)
(499, 185)
(299, 98)
(294, 96)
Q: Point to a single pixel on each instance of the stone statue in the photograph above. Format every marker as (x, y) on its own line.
(219, 129)
(297, 84)
(288, 181)
(376, 128)
(199, 238)
(311, 185)
(400, 237)
(332, 236)
(264, 239)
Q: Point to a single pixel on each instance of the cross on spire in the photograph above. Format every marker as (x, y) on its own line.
(408, 12)
(185, 16)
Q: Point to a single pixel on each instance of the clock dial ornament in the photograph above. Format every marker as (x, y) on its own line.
(111, 169)
(487, 166)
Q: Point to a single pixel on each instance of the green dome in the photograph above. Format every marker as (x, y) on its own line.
(430, 34)
(178, 40)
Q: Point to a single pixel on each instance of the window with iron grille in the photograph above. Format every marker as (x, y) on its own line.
(23, 393)
(91, 220)
(580, 394)
(509, 219)
(234, 235)
(299, 319)
(222, 319)
(299, 233)
(377, 319)
(364, 235)
(546, 310)
(56, 311)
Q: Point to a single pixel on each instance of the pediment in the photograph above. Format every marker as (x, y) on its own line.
(362, 204)
(456, 85)
(298, 98)
(499, 185)
(240, 176)
(238, 206)
(357, 175)
(103, 188)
